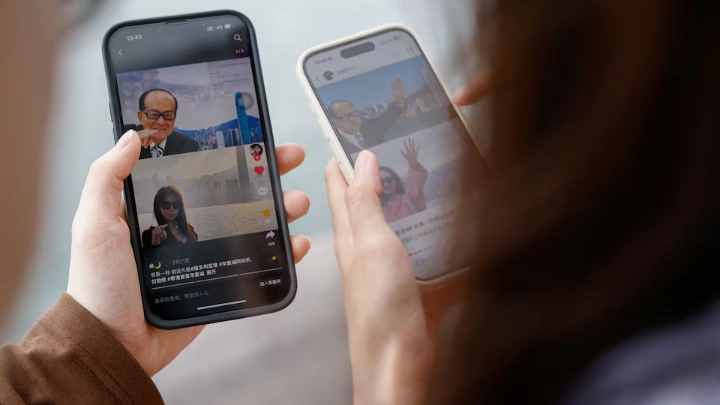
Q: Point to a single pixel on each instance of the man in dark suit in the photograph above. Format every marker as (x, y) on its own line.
(158, 110)
(356, 133)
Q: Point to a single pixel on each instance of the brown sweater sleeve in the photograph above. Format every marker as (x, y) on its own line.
(69, 357)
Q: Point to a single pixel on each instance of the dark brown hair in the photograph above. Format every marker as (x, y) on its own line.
(399, 187)
(600, 220)
(181, 219)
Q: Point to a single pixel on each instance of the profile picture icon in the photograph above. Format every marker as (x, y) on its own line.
(256, 150)
(328, 75)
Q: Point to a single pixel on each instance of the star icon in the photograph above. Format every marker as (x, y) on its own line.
(266, 213)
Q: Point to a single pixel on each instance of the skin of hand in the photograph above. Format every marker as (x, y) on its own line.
(398, 90)
(392, 345)
(146, 137)
(158, 235)
(103, 272)
(474, 90)
(411, 153)
(392, 324)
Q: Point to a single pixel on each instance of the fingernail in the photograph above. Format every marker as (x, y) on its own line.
(125, 139)
(460, 94)
(363, 161)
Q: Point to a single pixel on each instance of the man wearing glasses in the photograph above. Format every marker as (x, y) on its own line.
(357, 133)
(158, 110)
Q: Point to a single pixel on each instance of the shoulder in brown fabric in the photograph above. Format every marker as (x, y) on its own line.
(69, 357)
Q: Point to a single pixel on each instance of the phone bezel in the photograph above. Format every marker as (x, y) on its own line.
(343, 158)
(272, 168)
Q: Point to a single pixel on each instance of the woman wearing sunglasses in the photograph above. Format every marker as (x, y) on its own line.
(400, 201)
(172, 228)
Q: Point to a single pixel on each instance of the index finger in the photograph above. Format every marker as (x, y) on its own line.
(474, 90)
(336, 188)
(146, 132)
(289, 156)
(365, 212)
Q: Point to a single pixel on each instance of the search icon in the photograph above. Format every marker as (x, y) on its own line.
(237, 37)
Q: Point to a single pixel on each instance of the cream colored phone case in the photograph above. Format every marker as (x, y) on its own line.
(317, 108)
(332, 138)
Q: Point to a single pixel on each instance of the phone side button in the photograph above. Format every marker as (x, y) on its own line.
(326, 134)
(111, 117)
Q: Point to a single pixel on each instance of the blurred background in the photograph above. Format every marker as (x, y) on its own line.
(299, 355)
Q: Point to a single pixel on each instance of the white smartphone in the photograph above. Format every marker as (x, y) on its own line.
(378, 90)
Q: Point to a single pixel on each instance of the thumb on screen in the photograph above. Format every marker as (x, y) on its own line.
(101, 196)
(362, 199)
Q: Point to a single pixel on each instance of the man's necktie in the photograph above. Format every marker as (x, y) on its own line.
(157, 151)
(360, 141)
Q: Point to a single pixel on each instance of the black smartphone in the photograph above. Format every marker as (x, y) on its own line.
(204, 202)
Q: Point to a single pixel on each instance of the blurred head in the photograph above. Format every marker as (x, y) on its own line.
(169, 206)
(26, 70)
(158, 109)
(391, 184)
(345, 117)
(600, 218)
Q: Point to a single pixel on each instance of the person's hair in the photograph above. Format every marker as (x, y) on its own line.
(399, 187)
(181, 219)
(599, 219)
(141, 101)
(331, 108)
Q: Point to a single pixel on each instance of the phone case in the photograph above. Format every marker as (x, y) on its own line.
(317, 109)
(272, 162)
(332, 139)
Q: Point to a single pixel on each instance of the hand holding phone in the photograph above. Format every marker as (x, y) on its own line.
(207, 219)
(416, 137)
(383, 301)
(103, 270)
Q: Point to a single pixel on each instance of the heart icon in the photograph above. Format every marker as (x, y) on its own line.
(256, 157)
(259, 170)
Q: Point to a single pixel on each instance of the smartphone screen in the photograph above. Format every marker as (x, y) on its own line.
(381, 94)
(203, 196)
